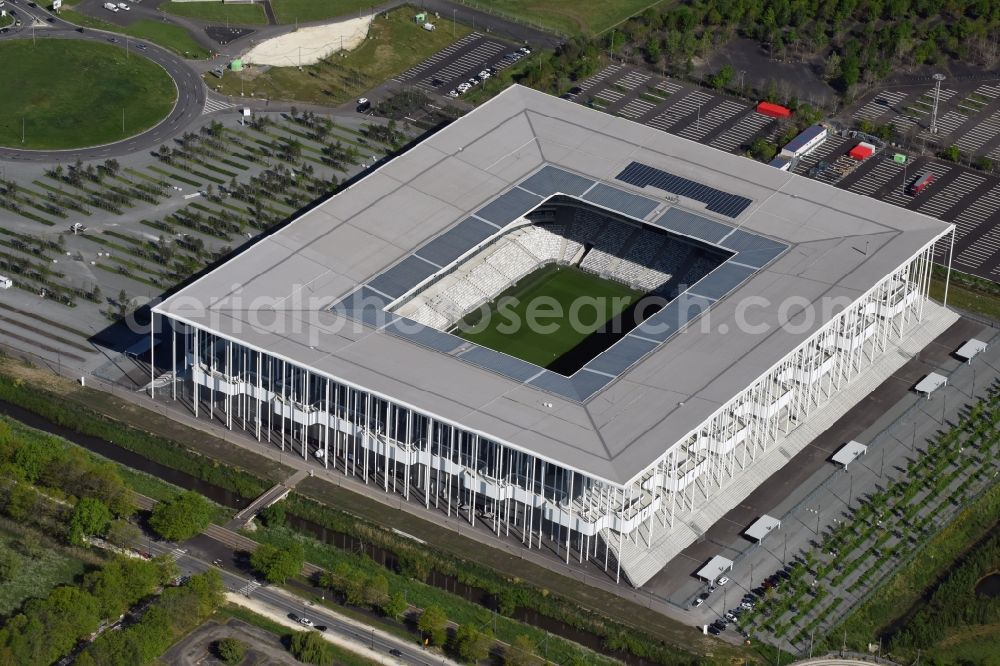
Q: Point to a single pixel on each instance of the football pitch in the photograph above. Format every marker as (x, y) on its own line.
(547, 313)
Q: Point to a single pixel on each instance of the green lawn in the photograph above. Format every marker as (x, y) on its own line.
(394, 45)
(290, 11)
(70, 94)
(569, 17)
(167, 35)
(40, 568)
(507, 329)
(6, 20)
(217, 12)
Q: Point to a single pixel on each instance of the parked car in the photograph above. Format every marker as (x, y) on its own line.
(699, 600)
(722, 580)
(363, 104)
(712, 629)
(453, 93)
(525, 50)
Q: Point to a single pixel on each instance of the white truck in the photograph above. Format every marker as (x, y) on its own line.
(6, 282)
(110, 6)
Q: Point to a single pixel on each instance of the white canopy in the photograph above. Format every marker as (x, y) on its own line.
(849, 452)
(967, 351)
(716, 566)
(762, 527)
(931, 383)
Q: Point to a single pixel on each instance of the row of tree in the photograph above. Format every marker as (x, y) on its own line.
(49, 627)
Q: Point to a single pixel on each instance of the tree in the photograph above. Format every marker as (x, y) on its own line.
(522, 651)
(395, 606)
(182, 517)
(278, 564)
(274, 515)
(952, 153)
(311, 648)
(433, 624)
(763, 150)
(10, 564)
(377, 591)
(123, 534)
(230, 650)
(472, 645)
(90, 516)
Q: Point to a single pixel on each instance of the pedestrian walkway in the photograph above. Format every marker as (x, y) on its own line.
(273, 495)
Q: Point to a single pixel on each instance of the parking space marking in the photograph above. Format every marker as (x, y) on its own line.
(740, 134)
(948, 123)
(981, 134)
(609, 95)
(668, 87)
(633, 79)
(978, 212)
(636, 108)
(876, 178)
(440, 56)
(879, 105)
(601, 76)
(952, 193)
(984, 247)
(679, 110)
(710, 121)
(900, 197)
(833, 144)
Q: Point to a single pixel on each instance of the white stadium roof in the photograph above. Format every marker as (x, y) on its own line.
(819, 244)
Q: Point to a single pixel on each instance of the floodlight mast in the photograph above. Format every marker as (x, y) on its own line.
(938, 78)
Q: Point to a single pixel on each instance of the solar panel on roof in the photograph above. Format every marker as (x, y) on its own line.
(402, 277)
(423, 335)
(550, 180)
(587, 383)
(672, 318)
(553, 382)
(691, 224)
(508, 207)
(722, 280)
(365, 305)
(619, 357)
(456, 241)
(717, 201)
(742, 241)
(512, 367)
(623, 202)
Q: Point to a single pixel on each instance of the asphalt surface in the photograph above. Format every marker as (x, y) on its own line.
(190, 89)
(193, 557)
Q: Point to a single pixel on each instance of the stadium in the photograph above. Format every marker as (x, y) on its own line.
(570, 330)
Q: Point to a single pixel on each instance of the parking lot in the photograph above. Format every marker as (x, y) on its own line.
(450, 67)
(968, 115)
(966, 197)
(679, 108)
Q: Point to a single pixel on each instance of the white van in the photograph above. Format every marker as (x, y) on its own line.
(6, 282)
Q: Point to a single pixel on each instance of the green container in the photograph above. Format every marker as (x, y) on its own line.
(236, 65)
(899, 158)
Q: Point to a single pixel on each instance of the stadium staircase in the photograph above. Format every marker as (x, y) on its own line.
(640, 561)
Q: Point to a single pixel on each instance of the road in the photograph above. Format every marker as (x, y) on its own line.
(193, 559)
(190, 89)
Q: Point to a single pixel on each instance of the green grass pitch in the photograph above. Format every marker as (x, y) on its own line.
(553, 295)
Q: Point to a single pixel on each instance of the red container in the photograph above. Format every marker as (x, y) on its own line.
(862, 151)
(773, 110)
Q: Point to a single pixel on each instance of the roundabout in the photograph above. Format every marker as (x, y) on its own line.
(66, 94)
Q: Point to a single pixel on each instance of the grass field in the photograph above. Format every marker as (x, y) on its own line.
(395, 43)
(290, 11)
(554, 284)
(39, 570)
(217, 12)
(6, 20)
(569, 17)
(71, 94)
(167, 35)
